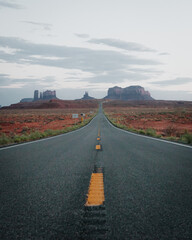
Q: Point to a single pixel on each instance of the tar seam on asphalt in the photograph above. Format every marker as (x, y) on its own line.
(94, 224)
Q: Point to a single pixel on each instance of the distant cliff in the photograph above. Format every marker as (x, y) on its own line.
(128, 93)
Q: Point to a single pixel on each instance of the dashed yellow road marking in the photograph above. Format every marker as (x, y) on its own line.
(98, 138)
(98, 147)
(95, 195)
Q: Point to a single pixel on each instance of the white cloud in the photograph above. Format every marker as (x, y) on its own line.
(115, 65)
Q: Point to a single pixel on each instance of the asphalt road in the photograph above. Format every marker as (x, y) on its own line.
(147, 182)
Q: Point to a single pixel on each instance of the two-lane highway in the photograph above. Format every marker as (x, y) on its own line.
(147, 186)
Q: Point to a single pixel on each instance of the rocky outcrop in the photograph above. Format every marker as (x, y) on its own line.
(26, 100)
(47, 95)
(128, 93)
(86, 97)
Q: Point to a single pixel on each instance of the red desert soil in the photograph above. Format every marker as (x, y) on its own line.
(20, 120)
(168, 118)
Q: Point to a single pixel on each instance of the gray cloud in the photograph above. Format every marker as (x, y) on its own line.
(96, 62)
(3, 75)
(45, 26)
(131, 46)
(6, 80)
(82, 35)
(164, 53)
(176, 81)
(69, 57)
(9, 4)
(117, 77)
(146, 70)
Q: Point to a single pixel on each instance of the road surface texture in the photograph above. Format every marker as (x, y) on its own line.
(147, 187)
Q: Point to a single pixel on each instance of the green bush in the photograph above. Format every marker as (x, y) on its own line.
(24, 138)
(16, 139)
(151, 132)
(4, 139)
(141, 131)
(50, 132)
(172, 138)
(35, 135)
(187, 138)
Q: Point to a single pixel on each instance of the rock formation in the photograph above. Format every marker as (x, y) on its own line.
(86, 96)
(128, 93)
(47, 95)
(26, 100)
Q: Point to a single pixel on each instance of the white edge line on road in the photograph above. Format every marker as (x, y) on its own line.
(45, 139)
(143, 136)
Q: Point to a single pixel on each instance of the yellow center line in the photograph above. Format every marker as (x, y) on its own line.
(95, 195)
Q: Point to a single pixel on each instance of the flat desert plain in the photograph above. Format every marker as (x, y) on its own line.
(166, 118)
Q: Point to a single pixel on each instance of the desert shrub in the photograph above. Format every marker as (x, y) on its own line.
(43, 134)
(158, 135)
(121, 126)
(172, 138)
(17, 139)
(25, 128)
(170, 130)
(49, 132)
(131, 129)
(141, 131)
(151, 132)
(178, 134)
(187, 138)
(35, 135)
(63, 130)
(4, 139)
(24, 138)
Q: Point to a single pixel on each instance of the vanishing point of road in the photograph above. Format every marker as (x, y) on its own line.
(147, 183)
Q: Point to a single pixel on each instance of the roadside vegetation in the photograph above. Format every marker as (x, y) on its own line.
(168, 125)
(184, 138)
(4, 139)
(29, 127)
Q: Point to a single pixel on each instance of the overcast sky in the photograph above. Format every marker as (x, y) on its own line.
(73, 46)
